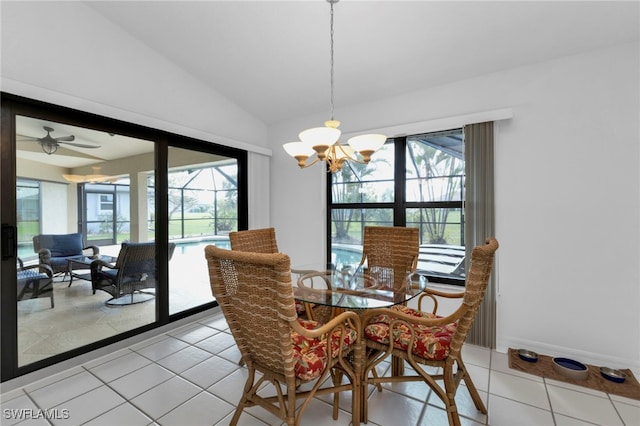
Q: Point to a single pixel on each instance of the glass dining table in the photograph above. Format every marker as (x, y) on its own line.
(355, 288)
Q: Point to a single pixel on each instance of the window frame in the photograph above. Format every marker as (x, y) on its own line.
(400, 205)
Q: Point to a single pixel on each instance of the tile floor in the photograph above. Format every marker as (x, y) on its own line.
(190, 376)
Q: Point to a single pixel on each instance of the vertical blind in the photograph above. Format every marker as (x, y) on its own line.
(480, 220)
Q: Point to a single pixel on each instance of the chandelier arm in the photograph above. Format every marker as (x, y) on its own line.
(311, 163)
(347, 156)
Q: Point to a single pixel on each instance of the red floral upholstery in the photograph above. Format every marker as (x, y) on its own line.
(300, 309)
(431, 342)
(310, 353)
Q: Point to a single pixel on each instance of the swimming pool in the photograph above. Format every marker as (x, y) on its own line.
(193, 245)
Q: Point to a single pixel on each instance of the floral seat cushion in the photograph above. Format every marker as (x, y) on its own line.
(311, 353)
(300, 309)
(431, 342)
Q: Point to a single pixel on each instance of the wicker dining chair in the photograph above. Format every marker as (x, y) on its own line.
(262, 240)
(434, 340)
(254, 240)
(390, 251)
(255, 294)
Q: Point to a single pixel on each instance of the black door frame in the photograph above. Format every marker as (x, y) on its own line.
(13, 105)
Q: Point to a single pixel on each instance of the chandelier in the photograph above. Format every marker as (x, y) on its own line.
(324, 141)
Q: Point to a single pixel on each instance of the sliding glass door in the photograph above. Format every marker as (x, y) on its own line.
(77, 181)
(202, 210)
(83, 199)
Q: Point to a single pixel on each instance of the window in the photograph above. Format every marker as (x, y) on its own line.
(106, 203)
(415, 181)
(28, 216)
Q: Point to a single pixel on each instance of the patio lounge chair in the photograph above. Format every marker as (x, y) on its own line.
(56, 249)
(34, 281)
(134, 271)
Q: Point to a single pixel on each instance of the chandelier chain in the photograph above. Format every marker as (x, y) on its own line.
(331, 50)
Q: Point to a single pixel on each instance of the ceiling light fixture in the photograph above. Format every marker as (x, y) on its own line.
(324, 141)
(95, 177)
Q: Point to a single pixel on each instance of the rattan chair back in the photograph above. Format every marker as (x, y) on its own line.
(255, 294)
(256, 240)
(390, 250)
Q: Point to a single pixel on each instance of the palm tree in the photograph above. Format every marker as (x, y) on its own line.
(439, 179)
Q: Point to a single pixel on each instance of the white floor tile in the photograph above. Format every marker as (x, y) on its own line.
(630, 413)
(64, 390)
(123, 415)
(624, 400)
(319, 412)
(17, 409)
(195, 333)
(203, 409)
(434, 416)
(507, 412)
(390, 408)
(583, 406)
(163, 398)
(88, 406)
(476, 355)
(519, 389)
(217, 343)
(576, 388)
(569, 421)
(230, 388)
(184, 359)
(479, 376)
(54, 378)
(232, 354)
(216, 321)
(141, 380)
(209, 371)
(121, 366)
(464, 403)
(163, 348)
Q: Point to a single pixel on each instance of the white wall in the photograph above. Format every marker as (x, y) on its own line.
(567, 197)
(65, 53)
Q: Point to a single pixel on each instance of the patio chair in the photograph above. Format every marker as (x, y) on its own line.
(424, 338)
(34, 281)
(133, 272)
(56, 249)
(255, 294)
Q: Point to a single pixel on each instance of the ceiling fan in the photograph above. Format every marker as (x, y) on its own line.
(50, 144)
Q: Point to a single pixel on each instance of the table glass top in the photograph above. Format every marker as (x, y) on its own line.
(355, 288)
(88, 259)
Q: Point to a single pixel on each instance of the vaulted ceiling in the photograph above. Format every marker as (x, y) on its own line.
(272, 57)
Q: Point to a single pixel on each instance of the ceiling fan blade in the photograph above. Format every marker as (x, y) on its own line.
(65, 138)
(28, 140)
(79, 145)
